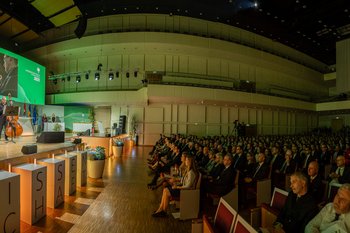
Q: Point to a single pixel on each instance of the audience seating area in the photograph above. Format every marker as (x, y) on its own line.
(263, 208)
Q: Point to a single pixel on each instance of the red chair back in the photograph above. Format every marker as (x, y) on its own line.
(243, 226)
(224, 217)
(279, 197)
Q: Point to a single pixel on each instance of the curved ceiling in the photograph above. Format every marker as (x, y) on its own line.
(310, 26)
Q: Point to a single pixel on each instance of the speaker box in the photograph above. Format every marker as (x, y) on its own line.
(51, 137)
(81, 28)
(77, 140)
(29, 149)
(122, 124)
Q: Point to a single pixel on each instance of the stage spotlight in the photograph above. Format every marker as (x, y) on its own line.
(111, 76)
(99, 67)
(87, 75)
(55, 81)
(127, 74)
(63, 79)
(117, 74)
(68, 78)
(135, 74)
(97, 76)
(78, 79)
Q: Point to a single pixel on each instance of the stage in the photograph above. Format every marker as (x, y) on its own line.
(11, 152)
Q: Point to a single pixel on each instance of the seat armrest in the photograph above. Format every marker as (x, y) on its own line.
(207, 225)
(270, 209)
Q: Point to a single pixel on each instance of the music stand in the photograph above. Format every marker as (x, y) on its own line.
(11, 111)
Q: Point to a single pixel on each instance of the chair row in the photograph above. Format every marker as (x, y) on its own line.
(226, 221)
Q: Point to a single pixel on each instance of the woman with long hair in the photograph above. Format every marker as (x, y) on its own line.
(188, 182)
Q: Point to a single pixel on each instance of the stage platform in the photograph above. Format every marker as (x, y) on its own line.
(10, 153)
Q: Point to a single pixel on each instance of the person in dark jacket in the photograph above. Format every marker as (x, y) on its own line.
(300, 206)
(224, 183)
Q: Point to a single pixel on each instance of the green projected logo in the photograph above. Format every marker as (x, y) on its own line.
(22, 78)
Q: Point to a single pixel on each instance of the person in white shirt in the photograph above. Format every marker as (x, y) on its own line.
(335, 216)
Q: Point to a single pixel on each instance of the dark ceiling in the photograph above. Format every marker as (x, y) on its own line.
(311, 26)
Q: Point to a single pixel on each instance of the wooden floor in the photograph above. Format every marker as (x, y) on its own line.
(120, 202)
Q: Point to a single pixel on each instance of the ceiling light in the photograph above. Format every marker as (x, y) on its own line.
(78, 79)
(127, 74)
(68, 78)
(110, 76)
(87, 75)
(97, 76)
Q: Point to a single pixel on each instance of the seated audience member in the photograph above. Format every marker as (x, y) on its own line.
(260, 172)
(315, 182)
(337, 152)
(239, 159)
(340, 173)
(308, 157)
(299, 208)
(224, 183)
(323, 159)
(289, 165)
(296, 155)
(218, 167)
(188, 182)
(334, 217)
(250, 166)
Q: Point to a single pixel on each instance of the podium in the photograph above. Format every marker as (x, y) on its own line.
(33, 191)
(55, 181)
(9, 202)
(70, 172)
(81, 167)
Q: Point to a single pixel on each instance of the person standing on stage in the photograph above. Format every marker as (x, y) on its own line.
(3, 116)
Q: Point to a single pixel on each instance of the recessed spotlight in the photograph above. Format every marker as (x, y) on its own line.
(304, 6)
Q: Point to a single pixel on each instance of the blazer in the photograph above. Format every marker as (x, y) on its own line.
(262, 173)
(345, 178)
(316, 189)
(296, 214)
(224, 182)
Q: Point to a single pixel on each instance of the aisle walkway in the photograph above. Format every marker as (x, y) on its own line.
(125, 204)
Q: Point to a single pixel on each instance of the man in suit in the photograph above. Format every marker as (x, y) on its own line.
(340, 173)
(224, 183)
(307, 159)
(260, 172)
(315, 188)
(323, 159)
(299, 207)
(239, 160)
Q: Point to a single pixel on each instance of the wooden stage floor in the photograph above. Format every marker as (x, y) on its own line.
(10, 152)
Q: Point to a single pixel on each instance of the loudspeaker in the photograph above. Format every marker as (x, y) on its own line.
(77, 141)
(51, 137)
(29, 149)
(122, 124)
(81, 28)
